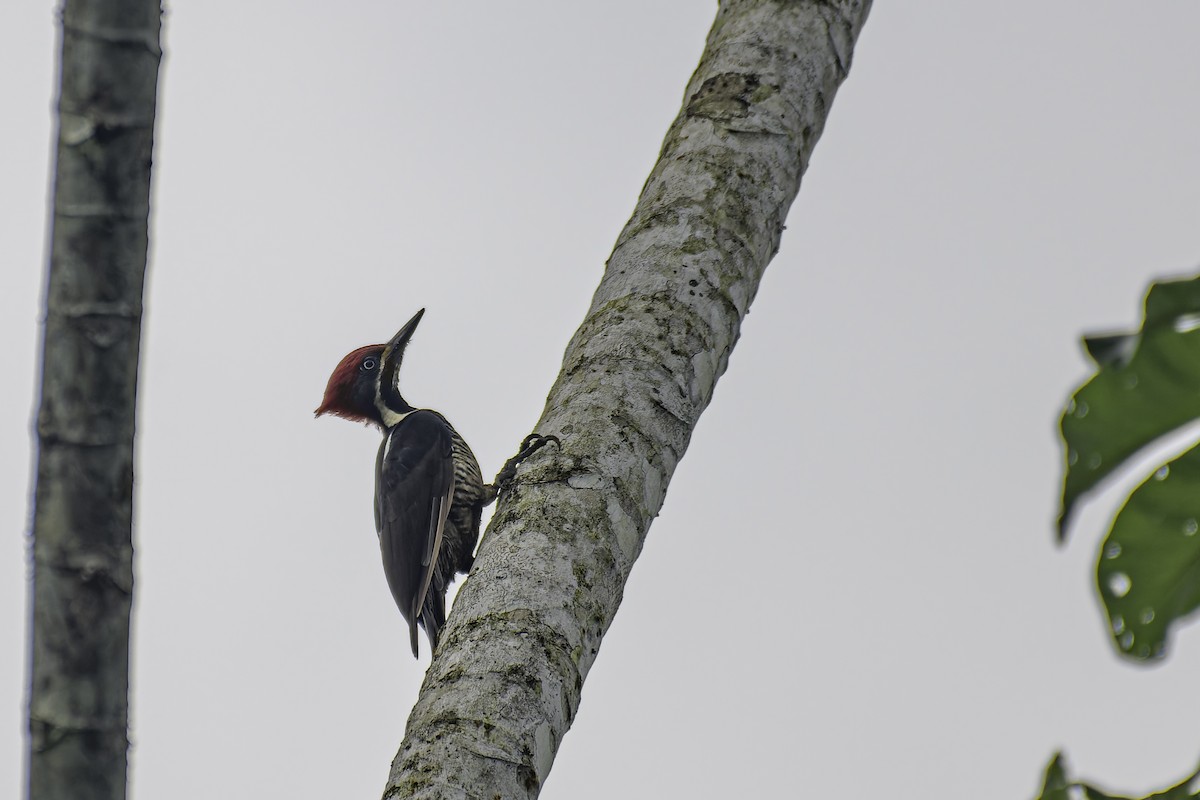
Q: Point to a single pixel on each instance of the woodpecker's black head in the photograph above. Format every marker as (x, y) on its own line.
(363, 387)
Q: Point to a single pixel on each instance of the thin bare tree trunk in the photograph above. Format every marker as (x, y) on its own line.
(83, 504)
(525, 629)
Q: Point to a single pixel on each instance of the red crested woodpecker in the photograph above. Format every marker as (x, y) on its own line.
(429, 492)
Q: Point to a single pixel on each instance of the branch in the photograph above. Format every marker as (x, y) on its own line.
(83, 503)
(505, 683)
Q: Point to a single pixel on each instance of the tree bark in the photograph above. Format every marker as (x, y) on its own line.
(83, 500)
(506, 680)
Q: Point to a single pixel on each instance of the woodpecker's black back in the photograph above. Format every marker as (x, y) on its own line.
(428, 497)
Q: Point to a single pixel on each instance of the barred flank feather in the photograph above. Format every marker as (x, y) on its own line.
(458, 545)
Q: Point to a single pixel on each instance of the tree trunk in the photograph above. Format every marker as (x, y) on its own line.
(83, 504)
(506, 680)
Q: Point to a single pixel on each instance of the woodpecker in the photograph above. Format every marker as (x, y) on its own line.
(429, 492)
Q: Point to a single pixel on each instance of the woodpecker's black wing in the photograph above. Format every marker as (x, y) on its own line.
(414, 483)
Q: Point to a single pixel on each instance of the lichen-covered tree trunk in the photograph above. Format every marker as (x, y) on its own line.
(83, 504)
(505, 683)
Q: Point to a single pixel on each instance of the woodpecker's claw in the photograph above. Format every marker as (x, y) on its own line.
(534, 442)
(529, 445)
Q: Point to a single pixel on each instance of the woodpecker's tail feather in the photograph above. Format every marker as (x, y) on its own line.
(412, 638)
(433, 619)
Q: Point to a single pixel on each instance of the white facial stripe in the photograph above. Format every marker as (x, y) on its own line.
(390, 418)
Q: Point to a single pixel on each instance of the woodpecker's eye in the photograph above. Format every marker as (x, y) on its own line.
(368, 363)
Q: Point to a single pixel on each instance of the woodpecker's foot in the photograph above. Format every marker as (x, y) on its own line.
(530, 445)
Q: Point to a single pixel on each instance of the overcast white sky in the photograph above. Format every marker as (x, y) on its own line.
(879, 463)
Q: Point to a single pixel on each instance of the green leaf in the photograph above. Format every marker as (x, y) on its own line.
(1055, 784)
(1147, 384)
(1092, 793)
(1149, 568)
(1180, 791)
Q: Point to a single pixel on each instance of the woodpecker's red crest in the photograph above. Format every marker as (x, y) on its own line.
(346, 395)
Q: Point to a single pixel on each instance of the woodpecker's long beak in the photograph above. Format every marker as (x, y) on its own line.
(389, 364)
(395, 347)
